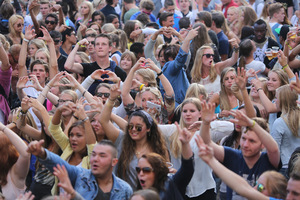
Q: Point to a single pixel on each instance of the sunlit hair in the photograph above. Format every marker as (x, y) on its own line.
(146, 194)
(261, 122)
(265, 12)
(8, 157)
(129, 28)
(12, 20)
(45, 51)
(289, 108)
(89, 15)
(129, 54)
(108, 28)
(175, 145)
(195, 90)
(83, 56)
(40, 44)
(95, 23)
(160, 169)
(148, 77)
(224, 100)
(250, 16)
(275, 184)
(72, 94)
(4, 42)
(155, 91)
(196, 71)
(283, 78)
(154, 139)
(122, 39)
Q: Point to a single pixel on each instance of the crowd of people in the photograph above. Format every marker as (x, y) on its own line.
(150, 99)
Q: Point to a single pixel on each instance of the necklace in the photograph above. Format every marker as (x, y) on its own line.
(138, 153)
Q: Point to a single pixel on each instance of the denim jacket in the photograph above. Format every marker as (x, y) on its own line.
(84, 182)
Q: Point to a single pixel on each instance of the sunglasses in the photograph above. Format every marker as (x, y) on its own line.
(19, 25)
(208, 55)
(92, 42)
(146, 170)
(260, 187)
(139, 128)
(100, 94)
(51, 22)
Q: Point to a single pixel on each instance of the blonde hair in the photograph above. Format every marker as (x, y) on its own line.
(195, 90)
(224, 100)
(289, 108)
(148, 76)
(83, 56)
(45, 51)
(196, 71)
(72, 93)
(275, 184)
(90, 5)
(4, 42)
(108, 28)
(175, 145)
(283, 78)
(12, 20)
(38, 43)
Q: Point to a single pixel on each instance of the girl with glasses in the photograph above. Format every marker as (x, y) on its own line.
(206, 72)
(16, 24)
(140, 136)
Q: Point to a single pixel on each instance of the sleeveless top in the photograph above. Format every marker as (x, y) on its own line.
(10, 191)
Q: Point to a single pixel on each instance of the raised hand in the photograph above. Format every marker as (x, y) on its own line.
(35, 83)
(257, 83)
(115, 91)
(27, 196)
(205, 152)
(33, 4)
(34, 103)
(135, 85)
(73, 82)
(46, 35)
(241, 78)
(79, 111)
(64, 181)
(139, 64)
(233, 43)
(240, 118)
(195, 126)
(112, 77)
(296, 85)
(207, 112)
(282, 59)
(97, 105)
(82, 28)
(55, 80)
(25, 104)
(83, 43)
(22, 82)
(36, 148)
(29, 32)
(151, 65)
(192, 33)
(184, 135)
(55, 7)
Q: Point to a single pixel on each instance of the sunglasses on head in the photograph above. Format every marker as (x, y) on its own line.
(100, 94)
(19, 25)
(208, 55)
(137, 127)
(260, 187)
(145, 170)
(51, 22)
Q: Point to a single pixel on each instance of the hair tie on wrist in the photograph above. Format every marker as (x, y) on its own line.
(160, 73)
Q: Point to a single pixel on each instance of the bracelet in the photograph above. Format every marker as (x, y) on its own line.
(259, 89)
(83, 93)
(85, 119)
(160, 73)
(81, 45)
(14, 123)
(26, 40)
(253, 124)
(75, 117)
(110, 102)
(141, 86)
(285, 66)
(236, 49)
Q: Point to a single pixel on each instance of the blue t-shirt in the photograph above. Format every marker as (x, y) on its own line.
(234, 160)
(223, 43)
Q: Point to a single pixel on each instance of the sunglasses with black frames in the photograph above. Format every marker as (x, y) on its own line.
(146, 170)
(139, 128)
(208, 55)
(51, 22)
(100, 94)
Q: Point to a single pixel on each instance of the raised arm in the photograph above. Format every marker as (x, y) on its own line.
(186, 42)
(234, 181)
(295, 85)
(53, 65)
(111, 131)
(36, 24)
(283, 61)
(4, 58)
(126, 97)
(230, 61)
(207, 116)
(70, 64)
(29, 35)
(265, 138)
(21, 167)
(241, 80)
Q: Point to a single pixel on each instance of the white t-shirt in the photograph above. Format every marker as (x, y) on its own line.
(214, 87)
(256, 65)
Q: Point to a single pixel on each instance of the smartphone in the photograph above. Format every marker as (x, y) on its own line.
(154, 105)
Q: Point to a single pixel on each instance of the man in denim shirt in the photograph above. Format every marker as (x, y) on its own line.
(97, 183)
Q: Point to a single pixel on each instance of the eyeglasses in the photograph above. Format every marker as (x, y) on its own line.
(19, 25)
(139, 128)
(63, 101)
(100, 94)
(51, 22)
(56, 41)
(260, 187)
(146, 170)
(208, 55)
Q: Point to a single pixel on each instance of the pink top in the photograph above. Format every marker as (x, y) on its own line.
(5, 78)
(10, 191)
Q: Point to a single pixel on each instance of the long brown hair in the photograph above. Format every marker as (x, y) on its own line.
(154, 139)
(8, 157)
